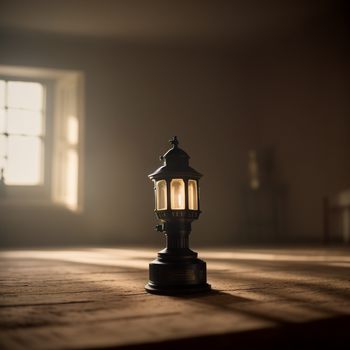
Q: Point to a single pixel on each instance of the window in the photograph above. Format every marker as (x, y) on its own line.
(41, 135)
(22, 132)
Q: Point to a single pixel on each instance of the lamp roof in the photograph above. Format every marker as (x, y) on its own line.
(175, 163)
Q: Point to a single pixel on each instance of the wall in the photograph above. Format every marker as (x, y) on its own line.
(137, 97)
(300, 96)
(290, 96)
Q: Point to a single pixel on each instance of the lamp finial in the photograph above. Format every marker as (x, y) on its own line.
(174, 141)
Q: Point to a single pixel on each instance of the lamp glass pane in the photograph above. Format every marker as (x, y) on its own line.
(161, 195)
(177, 194)
(192, 195)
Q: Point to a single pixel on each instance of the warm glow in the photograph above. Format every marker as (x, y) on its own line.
(72, 130)
(68, 137)
(192, 195)
(72, 180)
(161, 195)
(177, 191)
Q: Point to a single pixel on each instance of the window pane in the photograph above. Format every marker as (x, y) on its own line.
(3, 145)
(2, 94)
(192, 195)
(24, 161)
(2, 163)
(2, 121)
(161, 195)
(177, 191)
(24, 122)
(25, 95)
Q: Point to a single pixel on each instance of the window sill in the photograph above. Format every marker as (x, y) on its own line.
(16, 203)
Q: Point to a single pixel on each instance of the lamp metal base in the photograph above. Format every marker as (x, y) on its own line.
(177, 290)
(177, 275)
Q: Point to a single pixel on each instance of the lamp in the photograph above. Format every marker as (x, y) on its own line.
(177, 270)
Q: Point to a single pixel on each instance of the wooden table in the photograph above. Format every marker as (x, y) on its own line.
(93, 298)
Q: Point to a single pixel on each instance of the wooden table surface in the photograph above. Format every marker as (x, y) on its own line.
(94, 298)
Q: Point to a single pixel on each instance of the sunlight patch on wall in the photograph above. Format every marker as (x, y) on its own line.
(68, 150)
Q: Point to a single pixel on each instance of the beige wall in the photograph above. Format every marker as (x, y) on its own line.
(221, 103)
(136, 99)
(301, 97)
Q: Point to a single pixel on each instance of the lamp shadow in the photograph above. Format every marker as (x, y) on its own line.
(331, 333)
(215, 298)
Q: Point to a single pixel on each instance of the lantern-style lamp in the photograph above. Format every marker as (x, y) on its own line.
(177, 270)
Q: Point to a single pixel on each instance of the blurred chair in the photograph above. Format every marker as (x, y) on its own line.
(262, 200)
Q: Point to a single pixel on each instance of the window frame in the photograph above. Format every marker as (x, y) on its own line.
(41, 190)
(51, 192)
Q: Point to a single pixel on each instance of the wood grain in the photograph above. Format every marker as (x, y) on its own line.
(94, 297)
